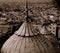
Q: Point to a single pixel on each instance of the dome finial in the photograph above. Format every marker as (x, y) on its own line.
(28, 18)
(27, 10)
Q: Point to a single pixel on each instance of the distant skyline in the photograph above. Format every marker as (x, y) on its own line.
(25, 0)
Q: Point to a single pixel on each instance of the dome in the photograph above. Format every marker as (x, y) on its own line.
(27, 40)
(26, 30)
(24, 40)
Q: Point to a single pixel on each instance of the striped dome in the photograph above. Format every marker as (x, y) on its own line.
(28, 42)
(26, 30)
(36, 44)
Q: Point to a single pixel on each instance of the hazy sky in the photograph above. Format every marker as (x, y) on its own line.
(25, 0)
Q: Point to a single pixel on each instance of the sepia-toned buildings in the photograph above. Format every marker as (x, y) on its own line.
(44, 17)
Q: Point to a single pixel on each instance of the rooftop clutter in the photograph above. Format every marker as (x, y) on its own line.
(16, 12)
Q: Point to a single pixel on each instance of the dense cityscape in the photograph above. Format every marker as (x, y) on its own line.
(45, 18)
